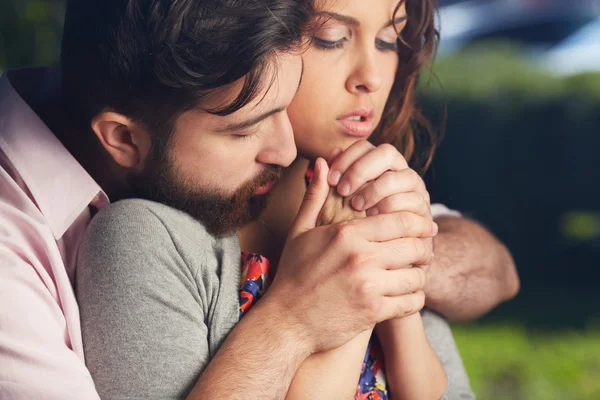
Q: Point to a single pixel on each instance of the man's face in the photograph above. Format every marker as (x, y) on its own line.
(218, 169)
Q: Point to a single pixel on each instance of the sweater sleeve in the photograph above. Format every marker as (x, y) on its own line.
(440, 336)
(142, 311)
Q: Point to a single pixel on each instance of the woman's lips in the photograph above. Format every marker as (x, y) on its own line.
(359, 123)
(264, 189)
(356, 128)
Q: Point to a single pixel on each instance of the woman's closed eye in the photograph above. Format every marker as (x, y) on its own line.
(388, 38)
(332, 37)
(385, 45)
(329, 44)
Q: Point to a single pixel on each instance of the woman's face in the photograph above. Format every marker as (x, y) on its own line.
(349, 71)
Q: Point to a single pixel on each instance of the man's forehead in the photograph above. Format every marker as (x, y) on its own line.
(278, 84)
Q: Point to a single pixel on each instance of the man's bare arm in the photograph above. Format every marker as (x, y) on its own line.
(472, 272)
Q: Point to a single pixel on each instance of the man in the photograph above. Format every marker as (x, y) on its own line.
(134, 72)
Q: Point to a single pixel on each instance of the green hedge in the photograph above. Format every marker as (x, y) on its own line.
(520, 154)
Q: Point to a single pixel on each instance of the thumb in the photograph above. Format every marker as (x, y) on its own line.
(313, 202)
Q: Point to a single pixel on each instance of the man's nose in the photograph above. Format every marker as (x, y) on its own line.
(280, 147)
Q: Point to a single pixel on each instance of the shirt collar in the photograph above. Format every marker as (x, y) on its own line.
(60, 186)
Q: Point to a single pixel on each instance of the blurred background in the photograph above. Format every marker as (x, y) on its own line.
(518, 82)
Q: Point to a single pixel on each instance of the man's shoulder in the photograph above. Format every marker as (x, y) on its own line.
(144, 212)
(152, 225)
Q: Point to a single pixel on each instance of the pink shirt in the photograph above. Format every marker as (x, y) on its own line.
(45, 196)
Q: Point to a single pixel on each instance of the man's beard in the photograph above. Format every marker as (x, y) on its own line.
(220, 215)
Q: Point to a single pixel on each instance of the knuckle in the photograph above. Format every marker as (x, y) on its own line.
(372, 193)
(420, 300)
(365, 286)
(404, 221)
(353, 174)
(424, 206)
(388, 148)
(390, 152)
(366, 144)
(421, 276)
(427, 197)
(342, 232)
(414, 178)
(393, 203)
(401, 309)
(373, 308)
(407, 285)
(419, 248)
(355, 261)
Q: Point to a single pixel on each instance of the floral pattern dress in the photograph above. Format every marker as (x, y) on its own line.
(253, 283)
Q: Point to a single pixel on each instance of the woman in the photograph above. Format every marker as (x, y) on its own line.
(359, 78)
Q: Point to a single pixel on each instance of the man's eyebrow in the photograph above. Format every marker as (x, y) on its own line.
(396, 21)
(238, 126)
(340, 17)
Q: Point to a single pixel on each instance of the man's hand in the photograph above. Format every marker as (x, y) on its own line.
(338, 280)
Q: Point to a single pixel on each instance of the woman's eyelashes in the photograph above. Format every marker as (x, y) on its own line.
(329, 44)
(384, 45)
(324, 44)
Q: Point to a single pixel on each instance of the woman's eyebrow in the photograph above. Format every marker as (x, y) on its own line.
(396, 21)
(340, 17)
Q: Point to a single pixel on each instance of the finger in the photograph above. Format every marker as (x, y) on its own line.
(344, 160)
(411, 202)
(401, 253)
(391, 182)
(370, 167)
(313, 202)
(385, 227)
(334, 155)
(401, 281)
(401, 306)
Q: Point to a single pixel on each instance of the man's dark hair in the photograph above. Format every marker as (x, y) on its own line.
(155, 59)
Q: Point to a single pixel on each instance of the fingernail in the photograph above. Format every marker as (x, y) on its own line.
(358, 202)
(434, 229)
(335, 177)
(344, 188)
(373, 211)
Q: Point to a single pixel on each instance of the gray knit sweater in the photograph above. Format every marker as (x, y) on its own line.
(158, 295)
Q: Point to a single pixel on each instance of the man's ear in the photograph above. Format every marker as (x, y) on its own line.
(126, 142)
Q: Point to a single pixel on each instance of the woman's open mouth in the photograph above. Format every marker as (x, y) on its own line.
(359, 123)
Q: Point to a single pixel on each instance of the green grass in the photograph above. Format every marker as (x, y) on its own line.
(509, 362)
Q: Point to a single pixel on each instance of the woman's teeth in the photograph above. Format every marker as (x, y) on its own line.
(355, 118)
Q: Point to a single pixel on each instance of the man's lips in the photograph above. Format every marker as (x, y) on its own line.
(264, 189)
(359, 123)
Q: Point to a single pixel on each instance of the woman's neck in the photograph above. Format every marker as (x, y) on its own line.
(267, 235)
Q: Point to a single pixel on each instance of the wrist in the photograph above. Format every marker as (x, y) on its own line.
(433, 276)
(394, 330)
(283, 326)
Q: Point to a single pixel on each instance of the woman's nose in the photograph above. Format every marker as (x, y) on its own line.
(366, 77)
